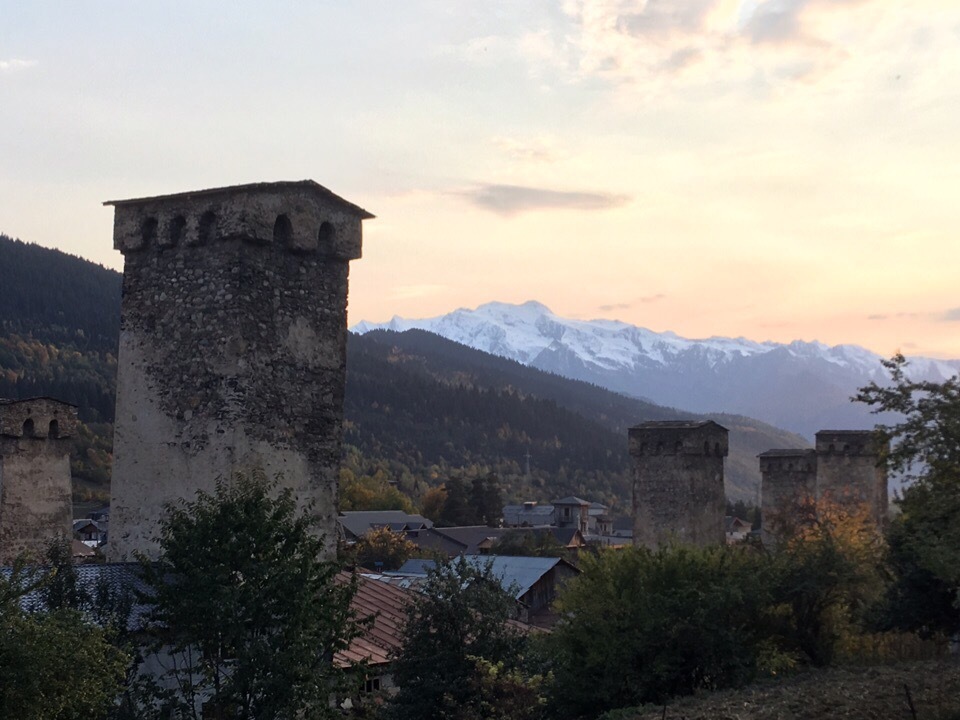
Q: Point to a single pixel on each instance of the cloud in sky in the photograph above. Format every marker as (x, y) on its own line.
(636, 40)
(513, 199)
(646, 300)
(951, 315)
(537, 149)
(15, 64)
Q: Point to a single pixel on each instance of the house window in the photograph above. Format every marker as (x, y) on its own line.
(28, 430)
(54, 429)
(371, 685)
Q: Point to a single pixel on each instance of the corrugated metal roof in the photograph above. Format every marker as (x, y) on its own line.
(118, 577)
(517, 574)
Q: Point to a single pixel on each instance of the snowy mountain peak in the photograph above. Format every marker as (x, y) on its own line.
(803, 386)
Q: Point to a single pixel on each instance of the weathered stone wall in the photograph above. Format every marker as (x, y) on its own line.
(788, 478)
(35, 491)
(232, 348)
(849, 468)
(678, 491)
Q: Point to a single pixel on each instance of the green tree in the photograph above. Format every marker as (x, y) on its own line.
(826, 575)
(457, 509)
(457, 630)
(245, 605)
(53, 665)
(382, 549)
(486, 500)
(371, 492)
(529, 543)
(641, 626)
(924, 539)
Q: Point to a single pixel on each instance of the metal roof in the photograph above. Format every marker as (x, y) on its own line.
(571, 500)
(360, 522)
(516, 574)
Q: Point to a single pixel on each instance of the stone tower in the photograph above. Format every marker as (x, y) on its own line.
(35, 493)
(849, 467)
(788, 478)
(232, 347)
(678, 482)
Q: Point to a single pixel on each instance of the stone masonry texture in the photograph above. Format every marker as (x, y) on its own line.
(678, 492)
(845, 467)
(232, 348)
(35, 492)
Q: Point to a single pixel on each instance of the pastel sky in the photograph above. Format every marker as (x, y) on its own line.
(776, 169)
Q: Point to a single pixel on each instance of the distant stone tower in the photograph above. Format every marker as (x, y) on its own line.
(846, 467)
(232, 347)
(849, 467)
(678, 482)
(788, 478)
(35, 494)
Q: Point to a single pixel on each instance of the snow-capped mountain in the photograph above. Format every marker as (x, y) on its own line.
(800, 386)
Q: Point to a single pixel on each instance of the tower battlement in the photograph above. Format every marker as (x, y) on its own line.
(671, 437)
(788, 461)
(300, 216)
(862, 443)
(37, 418)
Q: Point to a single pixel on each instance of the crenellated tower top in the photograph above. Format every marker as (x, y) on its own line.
(301, 216)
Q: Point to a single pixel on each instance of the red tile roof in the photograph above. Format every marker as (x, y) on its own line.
(387, 604)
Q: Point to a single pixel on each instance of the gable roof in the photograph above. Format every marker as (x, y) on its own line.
(387, 605)
(572, 500)
(516, 574)
(360, 522)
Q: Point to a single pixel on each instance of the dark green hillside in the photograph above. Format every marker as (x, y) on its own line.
(57, 298)
(451, 363)
(436, 421)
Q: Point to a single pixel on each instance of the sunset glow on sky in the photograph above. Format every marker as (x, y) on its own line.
(774, 169)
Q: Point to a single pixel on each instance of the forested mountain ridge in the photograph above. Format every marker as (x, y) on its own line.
(418, 406)
(568, 426)
(58, 298)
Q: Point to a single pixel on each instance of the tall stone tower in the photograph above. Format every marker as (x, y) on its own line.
(232, 347)
(849, 468)
(35, 493)
(678, 482)
(788, 478)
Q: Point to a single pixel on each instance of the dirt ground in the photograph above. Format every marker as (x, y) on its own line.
(847, 693)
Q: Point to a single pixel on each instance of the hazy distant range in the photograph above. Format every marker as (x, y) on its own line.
(800, 386)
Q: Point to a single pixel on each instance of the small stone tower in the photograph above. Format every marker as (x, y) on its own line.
(35, 493)
(849, 467)
(232, 347)
(788, 478)
(678, 482)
